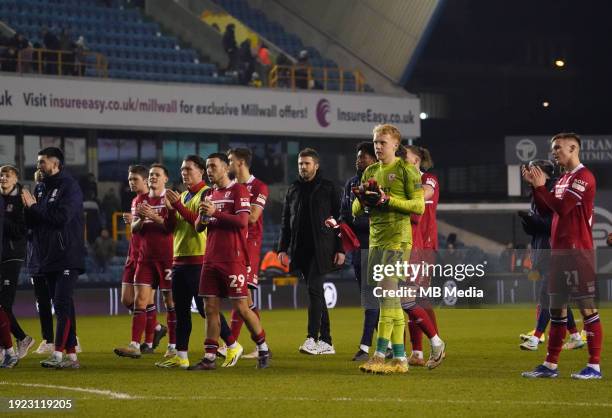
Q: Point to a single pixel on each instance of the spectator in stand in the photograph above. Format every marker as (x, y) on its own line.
(231, 47)
(284, 73)
(507, 258)
(451, 255)
(67, 46)
(19, 42)
(110, 204)
(264, 63)
(93, 220)
(80, 52)
(104, 249)
(24, 53)
(89, 187)
(52, 43)
(255, 80)
(9, 60)
(247, 62)
(302, 80)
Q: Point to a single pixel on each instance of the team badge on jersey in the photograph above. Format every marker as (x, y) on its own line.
(391, 177)
(244, 202)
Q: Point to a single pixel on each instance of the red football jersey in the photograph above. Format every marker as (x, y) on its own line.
(259, 195)
(428, 224)
(574, 229)
(227, 243)
(156, 241)
(136, 240)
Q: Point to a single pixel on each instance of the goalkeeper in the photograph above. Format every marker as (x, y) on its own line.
(390, 191)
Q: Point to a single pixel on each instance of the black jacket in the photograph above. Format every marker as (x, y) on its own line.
(14, 228)
(360, 224)
(539, 226)
(57, 224)
(324, 202)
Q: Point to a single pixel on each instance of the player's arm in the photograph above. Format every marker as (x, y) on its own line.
(201, 224)
(147, 211)
(256, 212)
(413, 190)
(571, 196)
(335, 209)
(559, 206)
(238, 219)
(346, 213)
(15, 228)
(229, 220)
(357, 207)
(69, 203)
(136, 224)
(258, 202)
(171, 219)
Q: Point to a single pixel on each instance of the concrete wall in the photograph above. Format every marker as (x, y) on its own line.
(358, 33)
(187, 26)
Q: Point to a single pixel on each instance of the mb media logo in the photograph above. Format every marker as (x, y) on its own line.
(323, 109)
(526, 150)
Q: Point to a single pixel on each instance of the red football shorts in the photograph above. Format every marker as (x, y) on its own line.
(572, 274)
(129, 271)
(254, 249)
(154, 273)
(224, 280)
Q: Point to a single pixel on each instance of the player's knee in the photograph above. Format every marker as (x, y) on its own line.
(558, 312)
(128, 302)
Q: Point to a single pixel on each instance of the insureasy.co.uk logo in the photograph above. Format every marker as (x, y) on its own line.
(323, 109)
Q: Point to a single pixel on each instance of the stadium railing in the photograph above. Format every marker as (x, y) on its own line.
(118, 229)
(56, 62)
(325, 78)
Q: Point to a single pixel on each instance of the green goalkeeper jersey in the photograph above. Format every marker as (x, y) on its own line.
(390, 225)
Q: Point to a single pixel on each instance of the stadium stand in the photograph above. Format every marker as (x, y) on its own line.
(135, 48)
(289, 42)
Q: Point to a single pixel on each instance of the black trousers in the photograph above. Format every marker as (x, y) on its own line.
(9, 275)
(61, 289)
(318, 316)
(43, 300)
(185, 288)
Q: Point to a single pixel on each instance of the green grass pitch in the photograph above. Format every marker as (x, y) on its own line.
(480, 376)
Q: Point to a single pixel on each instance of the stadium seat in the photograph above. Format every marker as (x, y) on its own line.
(135, 47)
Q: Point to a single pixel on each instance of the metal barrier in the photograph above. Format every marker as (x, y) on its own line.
(117, 220)
(299, 76)
(46, 61)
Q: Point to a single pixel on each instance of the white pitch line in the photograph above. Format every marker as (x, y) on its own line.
(127, 396)
(108, 393)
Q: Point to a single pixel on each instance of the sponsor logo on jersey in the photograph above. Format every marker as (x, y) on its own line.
(579, 185)
(228, 194)
(244, 202)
